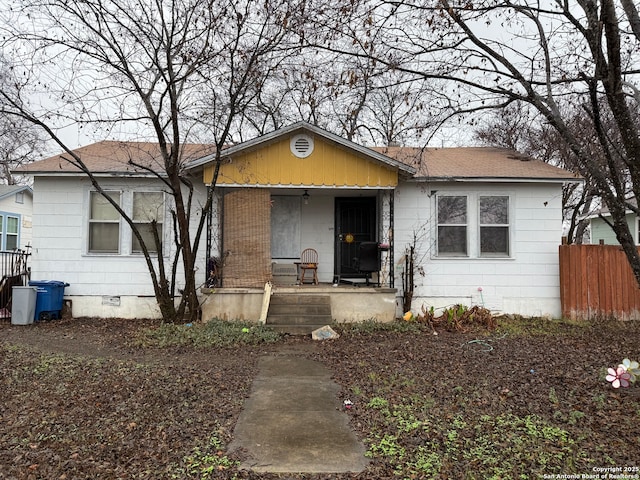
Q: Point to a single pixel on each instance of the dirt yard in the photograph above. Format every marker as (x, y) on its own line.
(81, 399)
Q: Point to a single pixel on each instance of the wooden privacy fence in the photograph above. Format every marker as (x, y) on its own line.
(596, 282)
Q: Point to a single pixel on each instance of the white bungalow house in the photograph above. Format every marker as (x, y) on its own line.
(484, 225)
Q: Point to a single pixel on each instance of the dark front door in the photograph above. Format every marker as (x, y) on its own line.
(355, 223)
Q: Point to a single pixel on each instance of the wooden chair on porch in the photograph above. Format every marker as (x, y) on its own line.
(309, 261)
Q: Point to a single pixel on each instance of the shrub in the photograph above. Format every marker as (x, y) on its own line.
(458, 318)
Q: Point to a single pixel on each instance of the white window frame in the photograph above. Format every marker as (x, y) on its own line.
(481, 225)
(474, 226)
(91, 221)
(445, 225)
(139, 222)
(125, 238)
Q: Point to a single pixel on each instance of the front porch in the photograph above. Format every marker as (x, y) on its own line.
(299, 189)
(348, 303)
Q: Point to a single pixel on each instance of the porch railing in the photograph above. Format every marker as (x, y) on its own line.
(15, 271)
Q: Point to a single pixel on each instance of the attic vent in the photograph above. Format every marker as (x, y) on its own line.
(301, 145)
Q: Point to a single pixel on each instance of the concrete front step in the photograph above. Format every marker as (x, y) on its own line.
(310, 309)
(296, 319)
(295, 329)
(299, 299)
(299, 314)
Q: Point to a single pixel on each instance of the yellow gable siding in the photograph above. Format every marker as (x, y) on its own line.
(328, 165)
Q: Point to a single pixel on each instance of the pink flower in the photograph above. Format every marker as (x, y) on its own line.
(618, 377)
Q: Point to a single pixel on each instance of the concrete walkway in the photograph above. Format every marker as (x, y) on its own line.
(293, 421)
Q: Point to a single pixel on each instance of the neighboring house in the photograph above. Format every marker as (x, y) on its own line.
(16, 209)
(601, 232)
(485, 225)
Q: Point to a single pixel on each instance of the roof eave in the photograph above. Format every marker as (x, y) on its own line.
(53, 173)
(499, 179)
(18, 189)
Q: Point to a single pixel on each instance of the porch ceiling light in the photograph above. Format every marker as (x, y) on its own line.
(305, 197)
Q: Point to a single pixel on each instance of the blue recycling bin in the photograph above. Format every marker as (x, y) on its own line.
(48, 298)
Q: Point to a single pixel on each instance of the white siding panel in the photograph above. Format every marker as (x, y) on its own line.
(525, 284)
(504, 269)
(72, 235)
(526, 249)
(453, 267)
(484, 268)
(534, 270)
(532, 225)
(59, 241)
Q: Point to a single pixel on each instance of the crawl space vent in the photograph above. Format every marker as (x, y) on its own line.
(301, 145)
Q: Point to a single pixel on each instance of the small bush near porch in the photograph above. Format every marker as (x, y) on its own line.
(90, 398)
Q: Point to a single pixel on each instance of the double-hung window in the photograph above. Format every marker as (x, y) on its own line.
(11, 240)
(9, 231)
(104, 223)
(109, 234)
(452, 225)
(148, 216)
(494, 226)
(473, 225)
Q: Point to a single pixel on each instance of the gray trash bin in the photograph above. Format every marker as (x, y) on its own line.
(23, 305)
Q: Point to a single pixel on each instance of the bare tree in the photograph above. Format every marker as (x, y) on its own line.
(519, 128)
(297, 91)
(374, 101)
(356, 97)
(178, 70)
(20, 141)
(396, 113)
(555, 56)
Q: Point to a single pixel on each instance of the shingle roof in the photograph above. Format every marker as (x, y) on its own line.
(475, 163)
(479, 163)
(113, 157)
